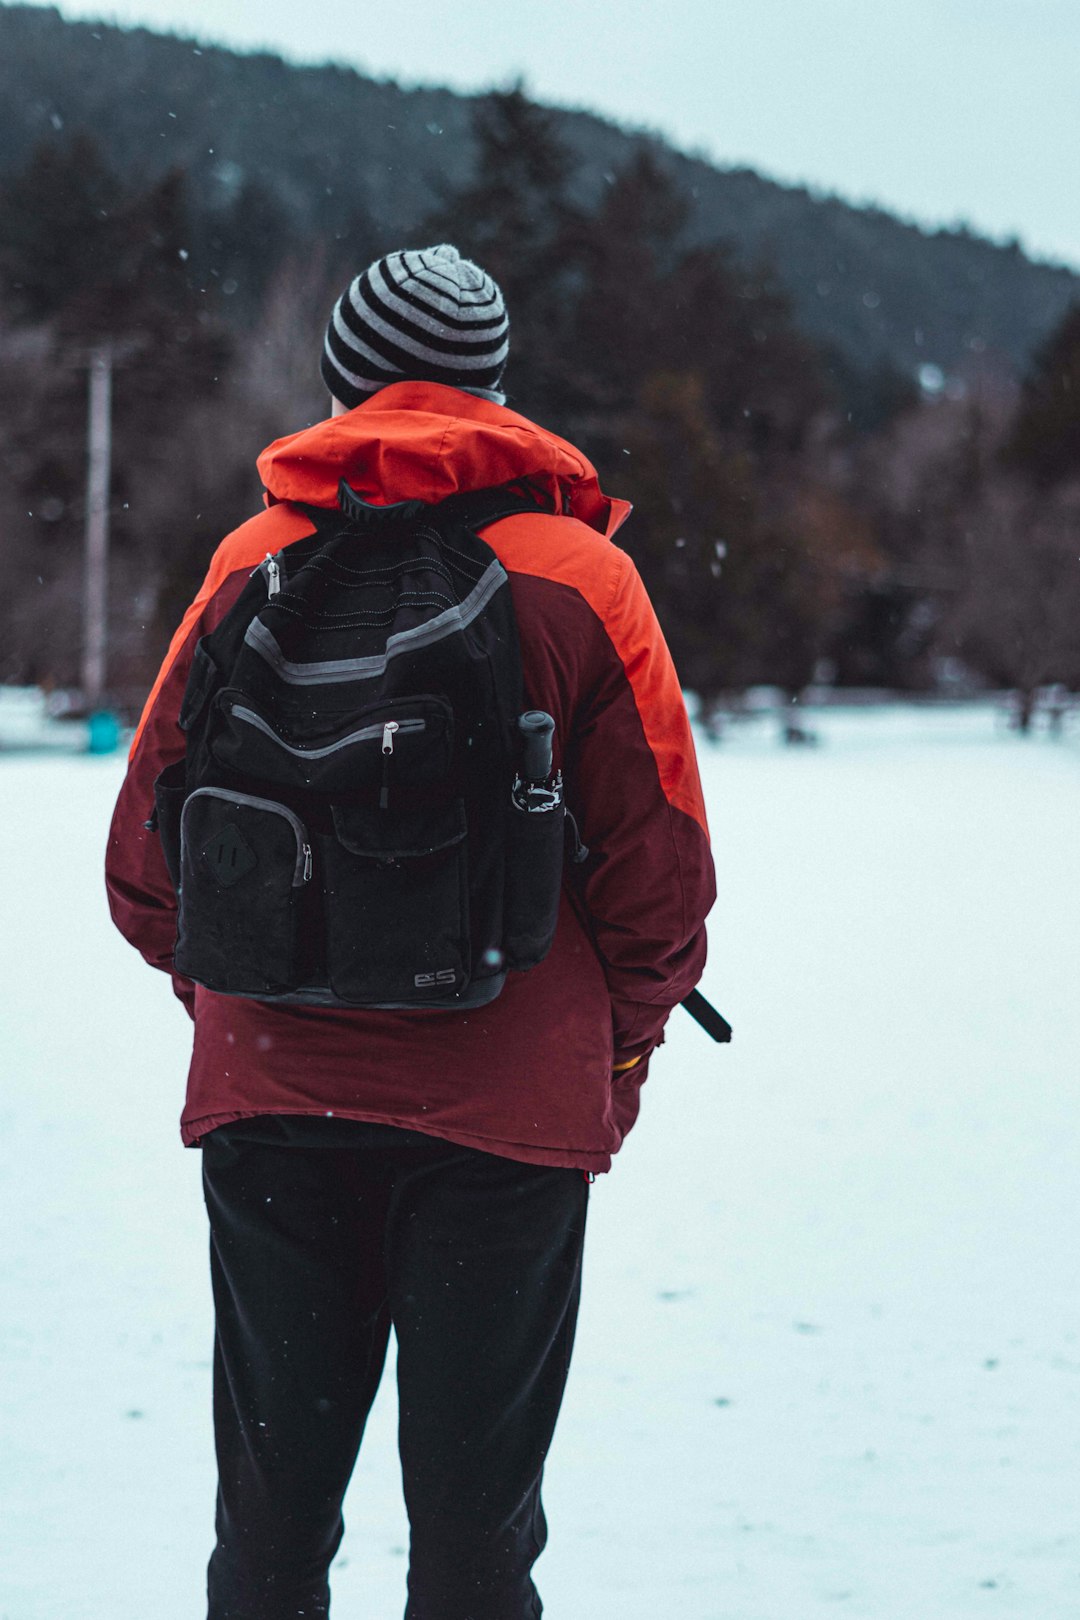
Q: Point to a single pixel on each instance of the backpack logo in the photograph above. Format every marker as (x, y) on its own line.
(425, 981)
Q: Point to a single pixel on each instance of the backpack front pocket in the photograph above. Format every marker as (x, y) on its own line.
(396, 906)
(403, 743)
(245, 864)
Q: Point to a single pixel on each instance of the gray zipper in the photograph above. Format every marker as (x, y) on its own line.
(302, 867)
(365, 734)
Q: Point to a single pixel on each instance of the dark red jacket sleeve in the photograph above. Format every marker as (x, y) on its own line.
(141, 896)
(632, 774)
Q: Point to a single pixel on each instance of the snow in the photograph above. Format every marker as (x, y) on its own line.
(829, 1353)
(31, 721)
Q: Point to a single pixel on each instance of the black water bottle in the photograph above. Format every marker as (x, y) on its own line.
(536, 787)
(537, 729)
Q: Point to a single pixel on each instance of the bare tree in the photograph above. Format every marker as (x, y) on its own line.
(1017, 609)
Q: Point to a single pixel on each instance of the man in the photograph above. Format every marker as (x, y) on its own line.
(429, 1169)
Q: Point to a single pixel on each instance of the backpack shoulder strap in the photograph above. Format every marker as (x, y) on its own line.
(475, 508)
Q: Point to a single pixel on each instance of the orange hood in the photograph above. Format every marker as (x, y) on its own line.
(424, 441)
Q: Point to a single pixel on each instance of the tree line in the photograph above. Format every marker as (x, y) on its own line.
(797, 519)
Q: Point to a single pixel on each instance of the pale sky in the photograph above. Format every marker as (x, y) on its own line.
(939, 110)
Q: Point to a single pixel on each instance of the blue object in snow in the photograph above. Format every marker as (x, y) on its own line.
(104, 735)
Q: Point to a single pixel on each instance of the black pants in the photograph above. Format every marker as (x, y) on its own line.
(323, 1232)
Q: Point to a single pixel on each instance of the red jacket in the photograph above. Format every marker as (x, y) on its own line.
(532, 1075)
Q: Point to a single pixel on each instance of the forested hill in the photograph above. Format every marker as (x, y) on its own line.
(323, 152)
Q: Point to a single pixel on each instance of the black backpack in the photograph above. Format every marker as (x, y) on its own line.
(363, 816)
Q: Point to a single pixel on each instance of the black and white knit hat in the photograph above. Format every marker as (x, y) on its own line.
(428, 315)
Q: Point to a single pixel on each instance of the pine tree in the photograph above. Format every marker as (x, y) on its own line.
(516, 219)
(626, 323)
(57, 227)
(1045, 443)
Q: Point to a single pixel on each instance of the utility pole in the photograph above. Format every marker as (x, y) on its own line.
(96, 553)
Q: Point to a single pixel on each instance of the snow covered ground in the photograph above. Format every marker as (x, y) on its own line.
(829, 1356)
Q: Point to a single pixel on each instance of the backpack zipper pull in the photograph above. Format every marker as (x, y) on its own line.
(388, 731)
(273, 575)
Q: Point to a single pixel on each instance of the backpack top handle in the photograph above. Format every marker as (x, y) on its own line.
(360, 511)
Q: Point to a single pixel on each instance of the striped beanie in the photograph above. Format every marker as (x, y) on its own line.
(428, 315)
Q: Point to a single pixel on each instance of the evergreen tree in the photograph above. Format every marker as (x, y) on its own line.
(514, 217)
(239, 247)
(627, 324)
(732, 326)
(1045, 443)
(57, 227)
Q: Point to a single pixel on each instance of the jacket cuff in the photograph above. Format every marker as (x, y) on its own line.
(632, 1060)
(637, 1026)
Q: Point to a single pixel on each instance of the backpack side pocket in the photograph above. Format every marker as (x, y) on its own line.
(170, 791)
(534, 867)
